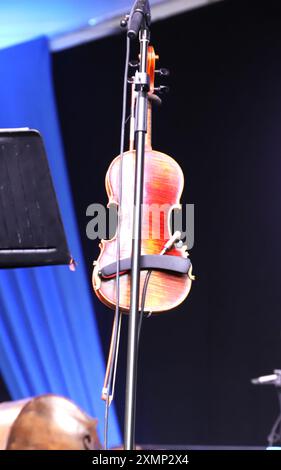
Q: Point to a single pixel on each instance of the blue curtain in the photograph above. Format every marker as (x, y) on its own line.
(49, 337)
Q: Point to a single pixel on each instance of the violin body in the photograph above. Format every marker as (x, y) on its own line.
(163, 186)
(165, 269)
(51, 422)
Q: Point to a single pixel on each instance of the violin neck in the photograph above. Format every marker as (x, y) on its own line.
(148, 144)
(132, 118)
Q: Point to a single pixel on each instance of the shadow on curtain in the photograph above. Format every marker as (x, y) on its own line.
(49, 338)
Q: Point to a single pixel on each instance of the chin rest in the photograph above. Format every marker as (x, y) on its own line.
(46, 422)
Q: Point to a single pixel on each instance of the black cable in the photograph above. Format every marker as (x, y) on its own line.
(117, 308)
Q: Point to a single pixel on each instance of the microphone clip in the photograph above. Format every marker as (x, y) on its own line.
(139, 18)
(272, 379)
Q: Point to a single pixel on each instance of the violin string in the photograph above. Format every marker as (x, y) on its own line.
(128, 118)
(143, 296)
(116, 323)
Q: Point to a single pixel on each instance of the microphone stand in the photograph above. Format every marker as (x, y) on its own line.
(274, 436)
(142, 88)
(275, 433)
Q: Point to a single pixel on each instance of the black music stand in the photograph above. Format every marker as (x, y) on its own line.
(31, 229)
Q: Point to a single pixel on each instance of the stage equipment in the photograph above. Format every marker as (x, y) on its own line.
(31, 230)
(143, 269)
(47, 422)
(274, 437)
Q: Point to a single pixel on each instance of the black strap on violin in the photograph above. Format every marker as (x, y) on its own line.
(175, 264)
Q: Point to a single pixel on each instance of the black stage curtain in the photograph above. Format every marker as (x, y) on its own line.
(222, 123)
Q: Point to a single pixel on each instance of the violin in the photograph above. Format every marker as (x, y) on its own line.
(163, 261)
(50, 422)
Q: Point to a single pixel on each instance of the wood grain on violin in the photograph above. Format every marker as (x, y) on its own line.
(163, 185)
(162, 190)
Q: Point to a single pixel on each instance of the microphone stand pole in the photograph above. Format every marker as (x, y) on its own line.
(142, 88)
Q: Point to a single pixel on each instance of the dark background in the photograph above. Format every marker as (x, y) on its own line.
(222, 123)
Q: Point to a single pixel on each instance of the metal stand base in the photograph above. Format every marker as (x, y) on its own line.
(274, 437)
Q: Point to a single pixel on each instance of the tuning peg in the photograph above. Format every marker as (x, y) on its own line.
(162, 89)
(163, 72)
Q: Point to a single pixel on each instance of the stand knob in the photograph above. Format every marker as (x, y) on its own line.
(124, 21)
